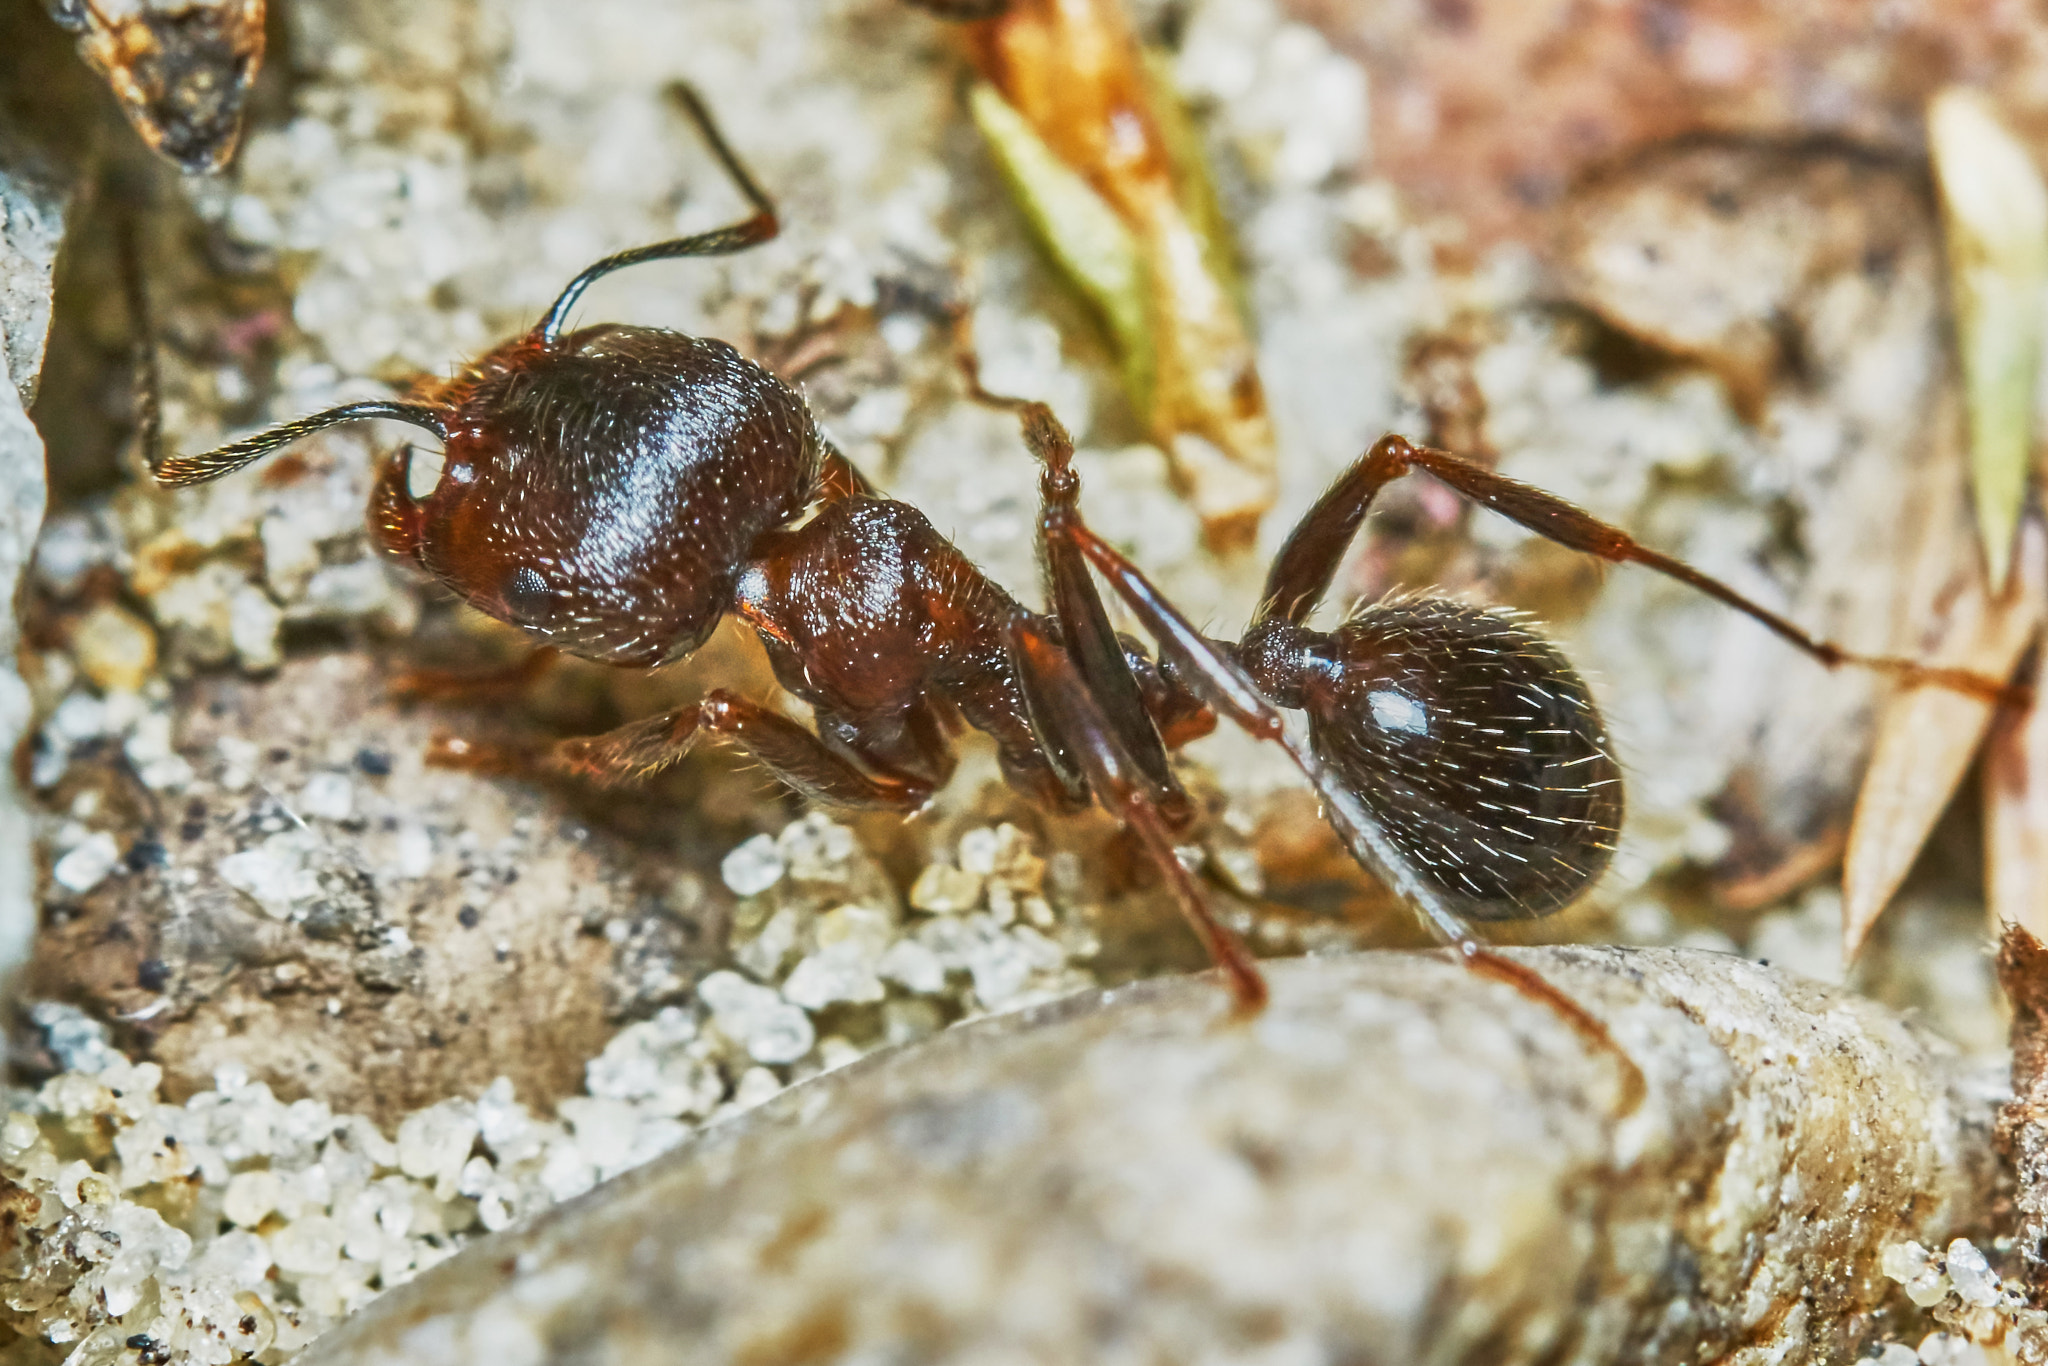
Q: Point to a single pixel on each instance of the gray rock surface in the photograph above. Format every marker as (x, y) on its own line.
(330, 915)
(1399, 1161)
(31, 224)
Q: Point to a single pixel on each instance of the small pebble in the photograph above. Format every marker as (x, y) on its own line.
(1971, 1275)
(913, 965)
(945, 890)
(85, 867)
(757, 1018)
(308, 1246)
(330, 796)
(114, 648)
(1946, 1349)
(251, 1196)
(753, 866)
(273, 874)
(844, 971)
(756, 1084)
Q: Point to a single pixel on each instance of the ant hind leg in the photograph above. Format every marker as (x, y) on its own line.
(1209, 671)
(1302, 572)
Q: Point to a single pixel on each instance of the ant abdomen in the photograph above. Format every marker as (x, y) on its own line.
(602, 489)
(1476, 746)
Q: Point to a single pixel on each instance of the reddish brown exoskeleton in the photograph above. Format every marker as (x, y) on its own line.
(616, 490)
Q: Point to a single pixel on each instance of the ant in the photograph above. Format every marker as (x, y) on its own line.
(616, 490)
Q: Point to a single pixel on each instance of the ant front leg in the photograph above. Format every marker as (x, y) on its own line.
(1302, 572)
(639, 749)
(456, 685)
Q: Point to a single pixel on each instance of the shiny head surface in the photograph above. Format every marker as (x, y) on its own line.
(602, 490)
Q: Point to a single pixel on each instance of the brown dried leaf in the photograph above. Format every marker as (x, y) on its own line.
(1927, 736)
(1490, 112)
(2023, 1123)
(2016, 816)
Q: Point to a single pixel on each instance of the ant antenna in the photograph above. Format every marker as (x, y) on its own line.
(149, 423)
(181, 470)
(751, 231)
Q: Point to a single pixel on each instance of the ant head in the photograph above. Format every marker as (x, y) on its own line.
(604, 490)
(1475, 745)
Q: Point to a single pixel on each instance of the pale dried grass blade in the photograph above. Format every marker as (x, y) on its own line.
(1927, 736)
(1995, 213)
(1113, 177)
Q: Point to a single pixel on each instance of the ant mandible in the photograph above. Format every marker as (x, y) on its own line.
(616, 490)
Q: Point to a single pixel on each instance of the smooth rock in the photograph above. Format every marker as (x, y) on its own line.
(1399, 1161)
(31, 224)
(336, 918)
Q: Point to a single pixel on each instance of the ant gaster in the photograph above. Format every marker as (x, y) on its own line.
(616, 490)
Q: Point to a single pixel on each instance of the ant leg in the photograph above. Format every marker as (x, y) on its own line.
(1302, 571)
(963, 11)
(149, 415)
(1222, 682)
(1084, 624)
(639, 749)
(1073, 713)
(751, 231)
(454, 685)
(1307, 562)
(1208, 670)
(839, 477)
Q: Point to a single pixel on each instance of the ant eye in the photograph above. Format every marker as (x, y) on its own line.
(528, 599)
(423, 472)
(69, 14)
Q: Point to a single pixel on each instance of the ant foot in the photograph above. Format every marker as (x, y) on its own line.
(479, 756)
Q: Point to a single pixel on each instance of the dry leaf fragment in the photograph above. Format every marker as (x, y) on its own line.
(2023, 1123)
(1489, 114)
(1995, 211)
(180, 70)
(1083, 233)
(1088, 132)
(1926, 737)
(2016, 815)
